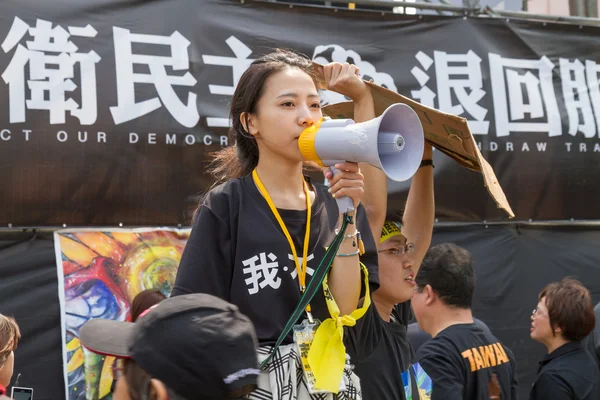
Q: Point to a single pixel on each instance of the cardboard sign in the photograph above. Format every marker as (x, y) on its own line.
(448, 133)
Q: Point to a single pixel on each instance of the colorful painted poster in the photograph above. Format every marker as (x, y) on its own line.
(99, 274)
(423, 382)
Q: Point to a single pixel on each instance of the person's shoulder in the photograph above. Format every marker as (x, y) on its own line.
(551, 377)
(480, 324)
(225, 197)
(370, 324)
(225, 190)
(434, 347)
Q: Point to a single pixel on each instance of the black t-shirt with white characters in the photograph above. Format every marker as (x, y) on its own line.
(238, 252)
(461, 361)
(382, 355)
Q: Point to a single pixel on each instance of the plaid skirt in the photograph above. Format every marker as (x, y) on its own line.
(284, 379)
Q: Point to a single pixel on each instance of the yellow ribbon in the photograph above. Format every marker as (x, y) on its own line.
(327, 354)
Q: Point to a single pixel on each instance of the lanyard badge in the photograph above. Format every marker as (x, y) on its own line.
(304, 334)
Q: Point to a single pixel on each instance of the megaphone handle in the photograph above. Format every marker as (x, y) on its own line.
(345, 204)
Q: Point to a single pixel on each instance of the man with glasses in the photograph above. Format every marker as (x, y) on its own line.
(378, 344)
(463, 360)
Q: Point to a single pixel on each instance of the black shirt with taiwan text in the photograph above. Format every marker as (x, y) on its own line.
(464, 360)
(238, 252)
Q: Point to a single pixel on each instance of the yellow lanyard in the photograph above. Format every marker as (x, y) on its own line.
(300, 269)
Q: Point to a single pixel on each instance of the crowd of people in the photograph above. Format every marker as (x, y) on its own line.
(344, 326)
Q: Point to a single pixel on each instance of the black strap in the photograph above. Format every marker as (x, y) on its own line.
(313, 286)
(425, 163)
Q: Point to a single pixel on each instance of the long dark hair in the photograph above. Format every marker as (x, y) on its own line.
(242, 157)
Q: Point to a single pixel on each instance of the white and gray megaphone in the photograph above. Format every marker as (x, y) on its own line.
(392, 142)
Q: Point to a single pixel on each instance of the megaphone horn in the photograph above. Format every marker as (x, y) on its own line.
(392, 142)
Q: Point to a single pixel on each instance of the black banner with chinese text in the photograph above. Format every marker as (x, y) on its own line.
(113, 107)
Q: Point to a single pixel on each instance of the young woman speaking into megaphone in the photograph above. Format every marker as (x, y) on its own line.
(274, 243)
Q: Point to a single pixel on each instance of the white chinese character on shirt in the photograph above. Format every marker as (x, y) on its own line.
(178, 60)
(538, 99)
(575, 92)
(52, 57)
(262, 274)
(592, 71)
(463, 80)
(239, 64)
(294, 273)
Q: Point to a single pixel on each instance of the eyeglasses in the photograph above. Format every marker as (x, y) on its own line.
(399, 250)
(536, 312)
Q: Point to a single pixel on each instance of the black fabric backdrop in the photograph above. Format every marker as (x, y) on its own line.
(29, 293)
(50, 183)
(513, 264)
(46, 182)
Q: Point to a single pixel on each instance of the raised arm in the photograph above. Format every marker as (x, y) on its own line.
(345, 275)
(419, 213)
(375, 180)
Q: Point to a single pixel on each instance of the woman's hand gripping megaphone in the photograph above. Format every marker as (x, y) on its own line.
(347, 181)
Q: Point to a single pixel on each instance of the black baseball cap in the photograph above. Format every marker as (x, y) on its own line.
(198, 345)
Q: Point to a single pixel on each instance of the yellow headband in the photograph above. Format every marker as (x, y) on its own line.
(389, 230)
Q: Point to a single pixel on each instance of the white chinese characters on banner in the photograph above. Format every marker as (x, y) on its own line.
(592, 71)
(325, 54)
(577, 99)
(127, 108)
(512, 106)
(41, 75)
(464, 80)
(239, 64)
(51, 57)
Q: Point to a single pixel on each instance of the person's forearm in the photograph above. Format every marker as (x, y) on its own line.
(345, 276)
(419, 213)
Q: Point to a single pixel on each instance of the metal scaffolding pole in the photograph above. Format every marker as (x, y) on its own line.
(389, 4)
(467, 11)
(542, 17)
(583, 8)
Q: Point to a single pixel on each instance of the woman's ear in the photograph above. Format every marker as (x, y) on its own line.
(158, 390)
(248, 122)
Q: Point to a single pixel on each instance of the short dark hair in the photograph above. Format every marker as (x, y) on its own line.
(570, 308)
(138, 382)
(448, 269)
